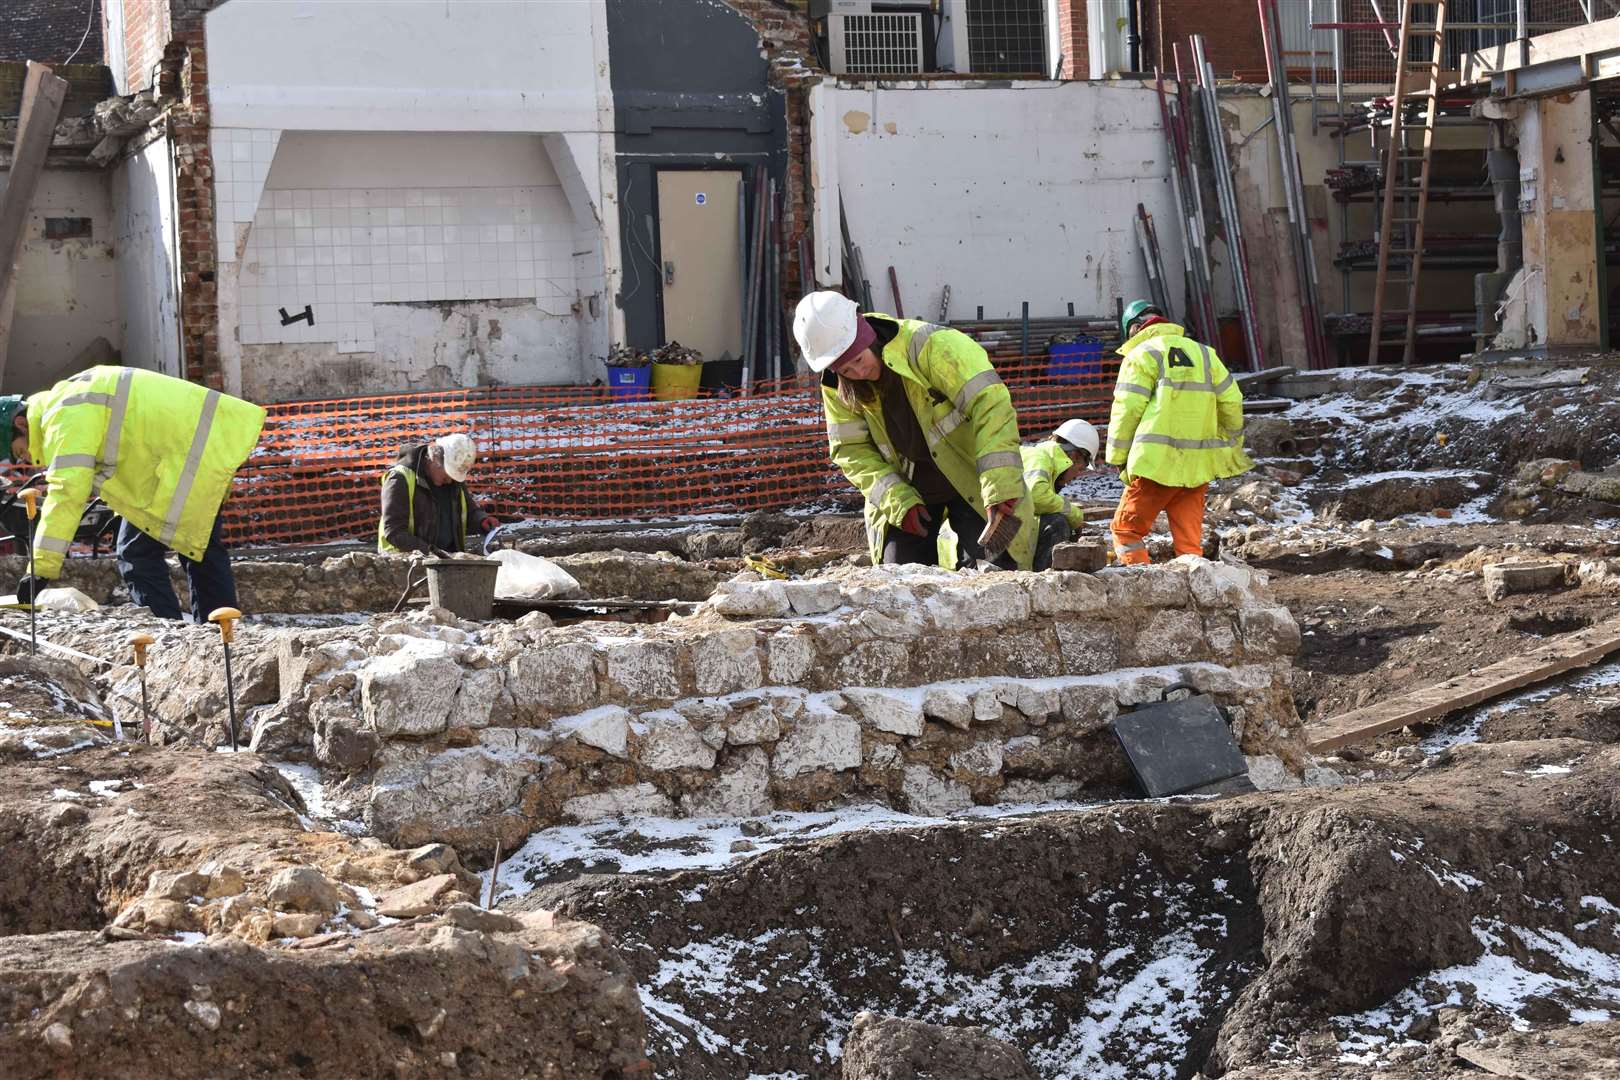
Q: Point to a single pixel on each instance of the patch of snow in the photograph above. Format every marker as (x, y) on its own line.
(1467, 729)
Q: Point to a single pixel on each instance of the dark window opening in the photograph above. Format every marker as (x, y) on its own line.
(1007, 37)
(67, 228)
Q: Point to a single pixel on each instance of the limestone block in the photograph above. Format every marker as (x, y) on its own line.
(606, 727)
(705, 712)
(790, 655)
(899, 714)
(1268, 631)
(1268, 773)
(1062, 593)
(875, 624)
(552, 678)
(1038, 704)
(1141, 687)
(883, 756)
(980, 759)
(644, 670)
(948, 705)
(931, 795)
(1219, 585)
(1031, 654)
(873, 663)
(670, 743)
(409, 693)
(454, 796)
(482, 699)
(342, 739)
(417, 898)
(1170, 636)
(753, 726)
(1146, 586)
(1087, 648)
(741, 790)
(1089, 706)
(987, 705)
(888, 598)
(958, 608)
(813, 597)
(726, 662)
(751, 599)
(1507, 578)
(619, 802)
(818, 741)
(282, 729)
(1221, 634)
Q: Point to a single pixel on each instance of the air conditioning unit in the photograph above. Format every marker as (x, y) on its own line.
(878, 43)
(820, 9)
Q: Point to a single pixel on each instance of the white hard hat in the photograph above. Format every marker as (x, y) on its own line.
(459, 455)
(1081, 434)
(825, 325)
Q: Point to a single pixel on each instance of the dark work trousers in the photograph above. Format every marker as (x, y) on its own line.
(1055, 530)
(900, 546)
(144, 568)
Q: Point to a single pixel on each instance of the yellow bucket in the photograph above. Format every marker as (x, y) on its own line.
(676, 382)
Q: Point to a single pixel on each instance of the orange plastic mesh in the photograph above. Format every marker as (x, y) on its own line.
(577, 454)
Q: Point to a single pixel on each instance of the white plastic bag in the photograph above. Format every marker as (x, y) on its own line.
(530, 577)
(60, 598)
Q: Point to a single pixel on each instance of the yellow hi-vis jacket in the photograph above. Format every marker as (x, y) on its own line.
(1178, 413)
(967, 417)
(159, 451)
(1044, 464)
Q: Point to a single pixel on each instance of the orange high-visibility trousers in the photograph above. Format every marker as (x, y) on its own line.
(1140, 506)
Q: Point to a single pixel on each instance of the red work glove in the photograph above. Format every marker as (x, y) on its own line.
(915, 519)
(489, 523)
(1007, 507)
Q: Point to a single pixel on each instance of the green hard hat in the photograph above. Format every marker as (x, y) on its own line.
(10, 406)
(1135, 310)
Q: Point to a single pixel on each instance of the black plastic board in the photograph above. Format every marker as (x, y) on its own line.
(1177, 746)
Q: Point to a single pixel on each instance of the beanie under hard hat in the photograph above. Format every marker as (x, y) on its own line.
(828, 327)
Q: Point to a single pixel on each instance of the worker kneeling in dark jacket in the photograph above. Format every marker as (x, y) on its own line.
(425, 502)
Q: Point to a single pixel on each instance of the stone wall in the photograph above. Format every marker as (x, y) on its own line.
(927, 690)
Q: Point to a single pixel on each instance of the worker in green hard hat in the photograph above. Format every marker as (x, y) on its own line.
(1176, 424)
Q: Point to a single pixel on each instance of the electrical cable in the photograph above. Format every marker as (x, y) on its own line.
(88, 23)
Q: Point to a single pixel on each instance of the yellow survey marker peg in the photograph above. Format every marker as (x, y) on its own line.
(225, 618)
(140, 643)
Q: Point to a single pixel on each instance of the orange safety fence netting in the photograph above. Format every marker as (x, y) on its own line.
(577, 454)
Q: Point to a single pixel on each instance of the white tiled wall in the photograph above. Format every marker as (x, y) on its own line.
(339, 250)
(241, 164)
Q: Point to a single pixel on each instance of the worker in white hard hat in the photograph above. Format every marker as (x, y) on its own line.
(1049, 466)
(426, 506)
(921, 424)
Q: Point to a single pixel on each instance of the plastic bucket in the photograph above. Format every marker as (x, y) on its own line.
(676, 382)
(1077, 362)
(628, 383)
(465, 587)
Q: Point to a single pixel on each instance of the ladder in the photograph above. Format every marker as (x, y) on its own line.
(1406, 179)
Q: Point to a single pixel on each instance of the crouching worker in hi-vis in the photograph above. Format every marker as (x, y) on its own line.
(922, 425)
(1177, 424)
(1049, 466)
(160, 452)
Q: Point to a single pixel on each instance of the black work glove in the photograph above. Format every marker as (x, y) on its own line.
(29, 587)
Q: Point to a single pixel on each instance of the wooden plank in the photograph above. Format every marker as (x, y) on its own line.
(1564, 653)
(42, 97)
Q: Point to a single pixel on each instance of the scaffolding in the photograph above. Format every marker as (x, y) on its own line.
(1348, 56)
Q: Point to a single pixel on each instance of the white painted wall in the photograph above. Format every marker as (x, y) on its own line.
(1006, 193)
(67, 295)
(147, 257)
(441, 71)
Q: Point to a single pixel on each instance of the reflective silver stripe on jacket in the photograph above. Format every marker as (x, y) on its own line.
(1122, 447)
(880, 488)
(89, 397)
(1001, 459)
(919, 338)
(1186, 444)
(188, 474)
(1226, 384)
(851, 431)
(972, 388)
(115, 427)
(1037, 474)
(947, 424)
(53, 545)
(1135, 388)
(71, 461)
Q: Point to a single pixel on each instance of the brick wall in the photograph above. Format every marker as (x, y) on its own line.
(146, 35)
(1231, 31)
(784, 30)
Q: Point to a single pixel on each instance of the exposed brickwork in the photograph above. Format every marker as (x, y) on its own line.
(50, 31)
(146, 35)
(784, 30)
(1231, 34)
